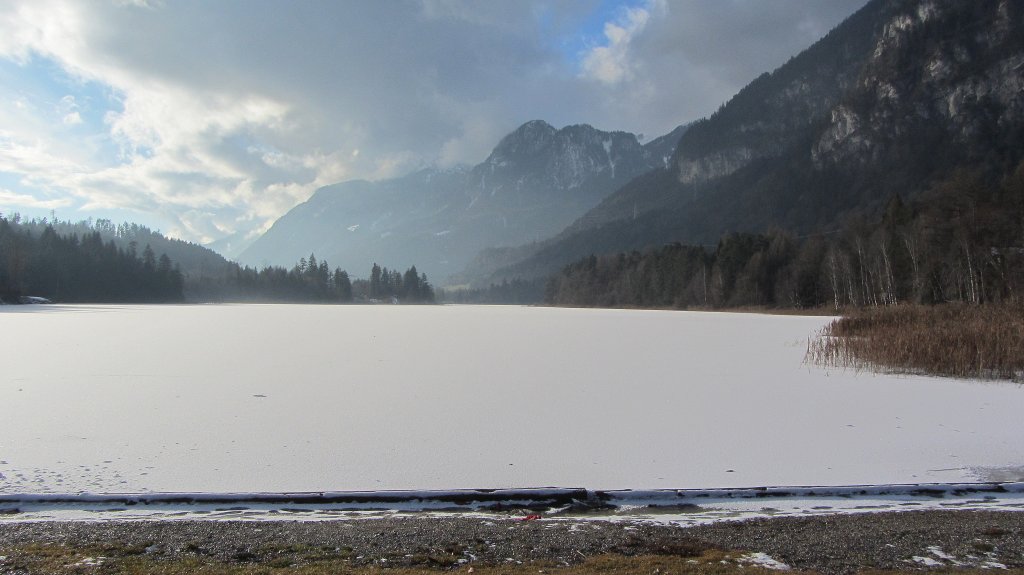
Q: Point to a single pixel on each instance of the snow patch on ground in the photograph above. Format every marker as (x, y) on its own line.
(938, 552)
(940, 558)
(763, 560)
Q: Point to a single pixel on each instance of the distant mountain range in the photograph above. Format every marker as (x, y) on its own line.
(534, 183)
(899, 96)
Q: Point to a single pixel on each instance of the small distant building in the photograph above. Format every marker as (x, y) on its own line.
(30, 299)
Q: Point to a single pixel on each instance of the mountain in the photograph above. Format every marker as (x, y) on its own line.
(536, 181)
(231, 246)
(901, 95)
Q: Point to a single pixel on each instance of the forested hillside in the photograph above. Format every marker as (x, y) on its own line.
(98, 261)
(73, 268)
(961, 241)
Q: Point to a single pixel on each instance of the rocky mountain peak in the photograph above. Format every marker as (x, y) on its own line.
(529, 139)
(561, 159)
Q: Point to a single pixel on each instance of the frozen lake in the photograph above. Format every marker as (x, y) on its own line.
(238, 398)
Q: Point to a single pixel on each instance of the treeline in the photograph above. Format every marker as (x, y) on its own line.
(307, 281)
(392, 285)
(517, 291)
(73, 268)
(195, 261)
(311, 281)
(962, 241)
(98, 261)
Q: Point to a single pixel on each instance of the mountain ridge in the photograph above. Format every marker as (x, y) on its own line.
(896, 97)
(534, 182)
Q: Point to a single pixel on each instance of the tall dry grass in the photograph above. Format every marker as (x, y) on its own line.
(958, 340)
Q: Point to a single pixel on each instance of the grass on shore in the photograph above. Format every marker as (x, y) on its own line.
(958, 340)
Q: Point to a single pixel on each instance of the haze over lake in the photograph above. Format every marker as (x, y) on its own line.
(287, 398)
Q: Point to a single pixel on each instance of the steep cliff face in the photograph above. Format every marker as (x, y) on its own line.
(535, 181)
(771, 114)
(899, 96)
(762, 122)
(954, 69)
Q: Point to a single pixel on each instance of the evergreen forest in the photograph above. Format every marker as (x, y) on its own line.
(962, 241)
(99, 262)
(81, 268)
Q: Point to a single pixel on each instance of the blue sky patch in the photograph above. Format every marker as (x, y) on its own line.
(590, 32)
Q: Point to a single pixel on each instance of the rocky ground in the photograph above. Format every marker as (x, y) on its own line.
(825, 544)
(847, 543)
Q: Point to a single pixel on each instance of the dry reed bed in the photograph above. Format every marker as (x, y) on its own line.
(958, 340)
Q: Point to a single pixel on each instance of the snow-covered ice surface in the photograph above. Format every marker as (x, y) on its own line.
(274, 398)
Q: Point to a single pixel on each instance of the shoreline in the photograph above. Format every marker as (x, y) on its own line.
(686, 506)
(679, 506)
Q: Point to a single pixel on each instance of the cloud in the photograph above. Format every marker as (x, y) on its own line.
(611, 63)
(666, 63)
(216, 118)
(68, 107)
(37, 160)
(9, 199)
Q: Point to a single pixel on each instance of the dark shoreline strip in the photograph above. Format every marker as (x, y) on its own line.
(501, 499)
(469, 498)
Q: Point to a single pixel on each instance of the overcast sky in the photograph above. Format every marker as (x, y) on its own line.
(207, 118)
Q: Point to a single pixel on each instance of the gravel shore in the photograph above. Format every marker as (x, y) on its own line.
(827, 544)
(846, 543)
